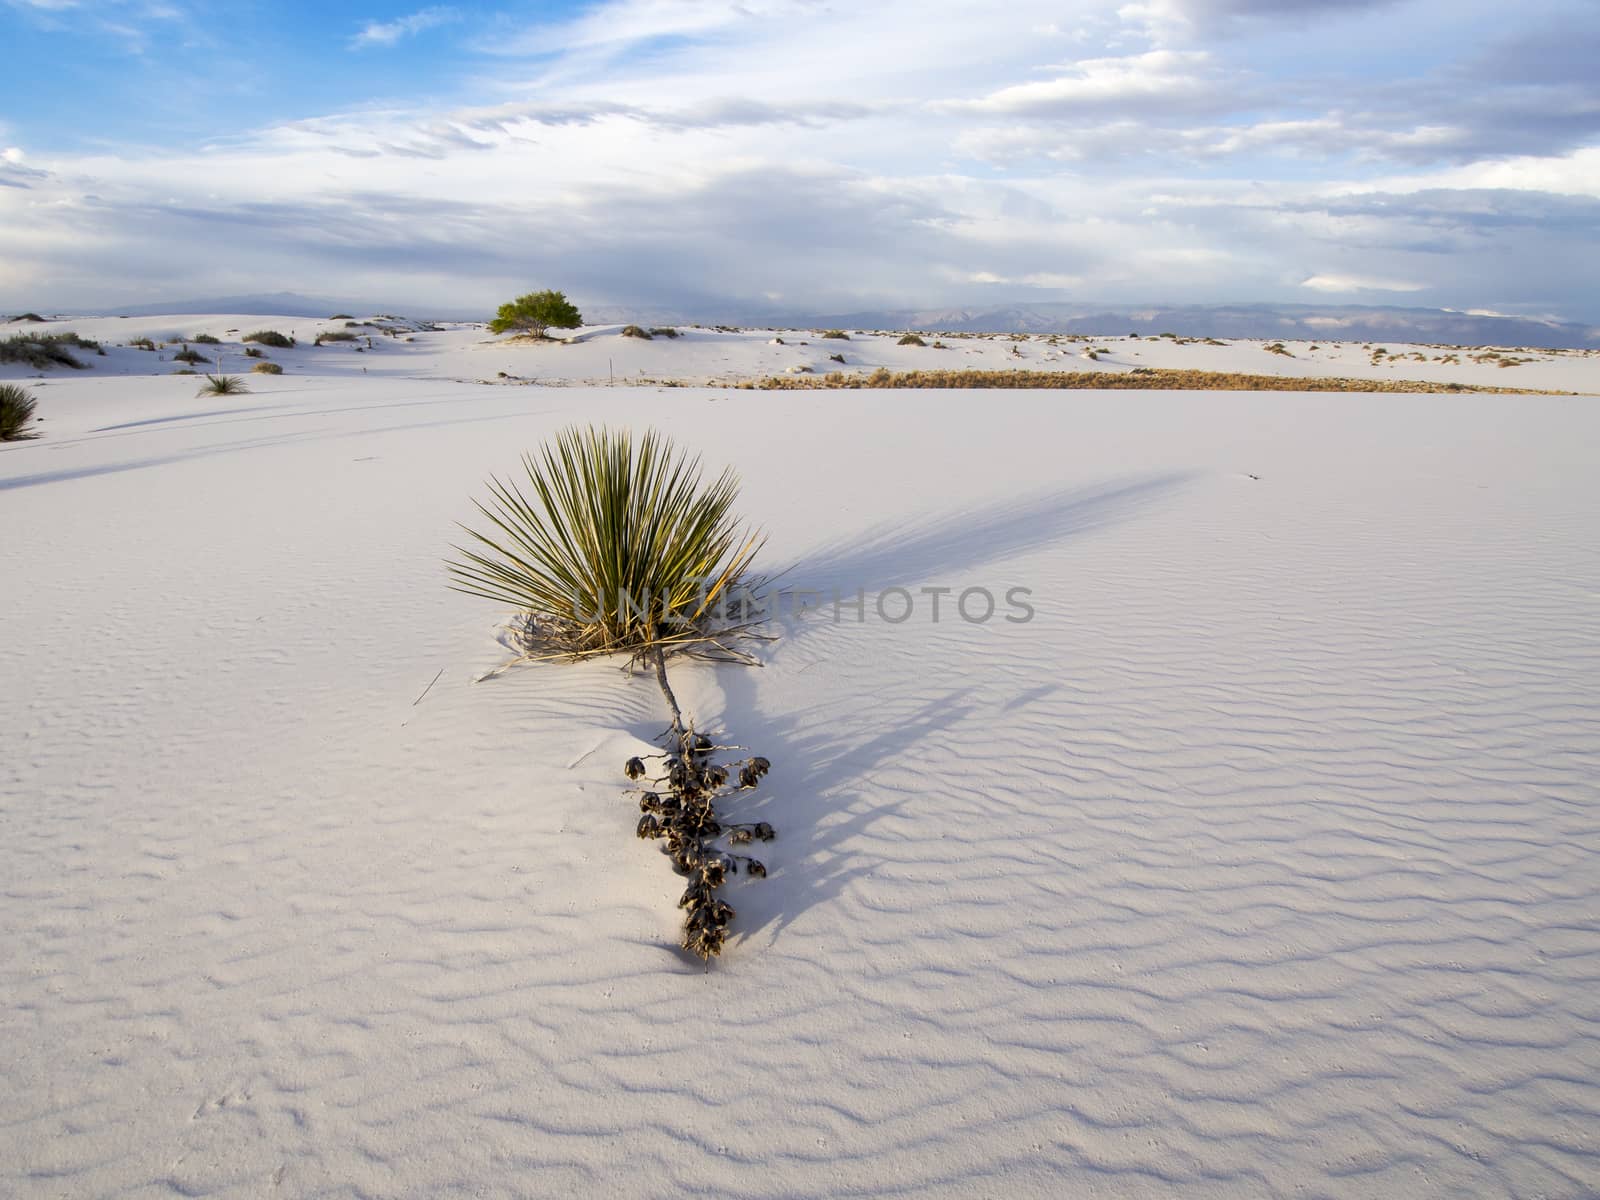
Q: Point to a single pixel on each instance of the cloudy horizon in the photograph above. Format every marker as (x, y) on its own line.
(801, 154)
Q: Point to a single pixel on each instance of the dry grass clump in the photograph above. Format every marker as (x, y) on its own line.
(636, 331)
(17, 405)
(1278, 348)
(270, 337)
(267, 368)
(911, 339)
(836, 334)
(192, 357)
(666, 331)
(141, 343)
(334, 335)
(205, 339)
(1139, 379)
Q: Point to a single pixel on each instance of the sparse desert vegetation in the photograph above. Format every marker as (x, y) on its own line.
(192, 357)
(43, 350)
(267, 368)
(270, 337)
(1140, 378)
(911, 339)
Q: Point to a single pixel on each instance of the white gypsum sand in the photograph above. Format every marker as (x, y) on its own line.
(1262, 861)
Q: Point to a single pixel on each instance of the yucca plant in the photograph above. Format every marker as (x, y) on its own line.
(612, 544)
(223, 385)
(16, 410)
(615, 545)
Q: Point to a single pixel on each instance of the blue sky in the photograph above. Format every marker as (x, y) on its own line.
(804, 153)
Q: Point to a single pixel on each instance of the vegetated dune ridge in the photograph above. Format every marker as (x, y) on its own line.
(1262, 862)
(394, 347)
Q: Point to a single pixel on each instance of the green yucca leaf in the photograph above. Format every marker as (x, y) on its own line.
(611, 541)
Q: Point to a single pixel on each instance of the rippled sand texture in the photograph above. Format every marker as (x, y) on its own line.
(1265, 861)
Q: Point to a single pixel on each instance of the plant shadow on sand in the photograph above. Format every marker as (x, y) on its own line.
(824, 755)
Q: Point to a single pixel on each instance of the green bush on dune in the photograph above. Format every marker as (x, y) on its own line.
(536, 313)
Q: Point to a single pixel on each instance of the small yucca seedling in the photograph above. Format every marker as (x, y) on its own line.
(16, 410)
(611, 544)
(223, 385)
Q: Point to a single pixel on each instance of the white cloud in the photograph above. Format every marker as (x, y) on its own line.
(387, 33)
(1352, 283)
(1157, 77)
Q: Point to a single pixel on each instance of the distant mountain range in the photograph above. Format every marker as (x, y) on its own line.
(1344, 323)
(1325, 322)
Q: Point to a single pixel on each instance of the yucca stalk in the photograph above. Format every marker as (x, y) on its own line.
(610, 544)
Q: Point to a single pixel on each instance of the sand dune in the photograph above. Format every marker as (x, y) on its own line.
(394, 347)
(1263, 861)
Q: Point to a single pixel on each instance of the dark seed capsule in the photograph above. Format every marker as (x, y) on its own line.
(722, 912)
(760, 766)
(715, 777)
(634, 768)
(764, 831)
(756, 868)
(648, 827)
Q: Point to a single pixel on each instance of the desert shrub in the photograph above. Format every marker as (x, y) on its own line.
(1278, 348)
(342, 317)
(43, 349)
(205, 339)
(186, 371)
(29, 316)
(189, 356)
(634, 331)
(267, 368)
(536, 313)
(620, 547)
(334, 335)
(836, 334)
(838, 358)
(141, 343)
(253, 352)
(911, 339)
(16, 410)
(223, 385)
(269, 337)
(666, 331)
